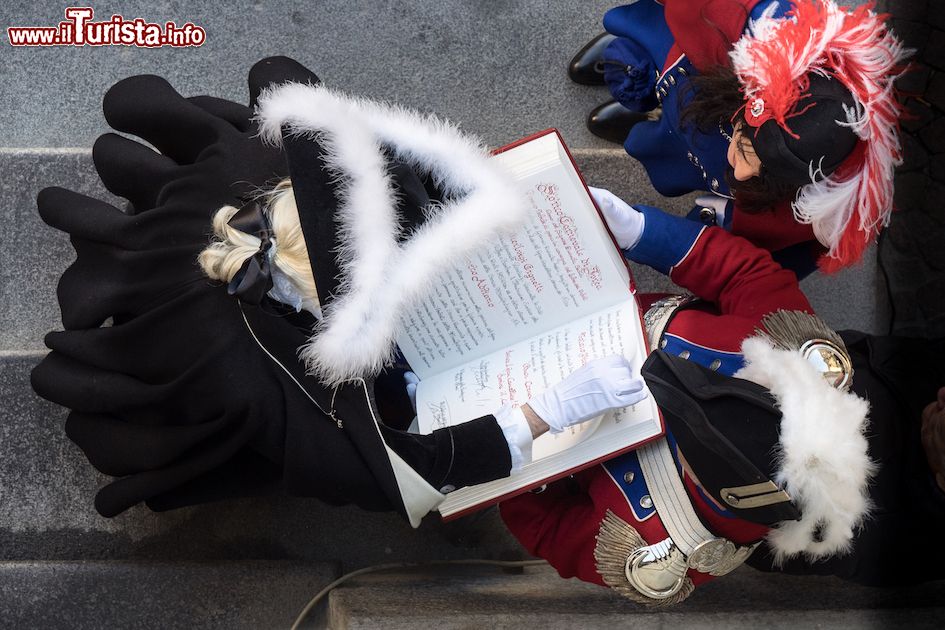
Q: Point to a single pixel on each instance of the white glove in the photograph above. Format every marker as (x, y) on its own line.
(624, 221)
(599, 386)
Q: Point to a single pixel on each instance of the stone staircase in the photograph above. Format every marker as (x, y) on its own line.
(498, 70)
(460, 600)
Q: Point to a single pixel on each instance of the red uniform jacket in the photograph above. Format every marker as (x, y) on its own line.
(739, 284)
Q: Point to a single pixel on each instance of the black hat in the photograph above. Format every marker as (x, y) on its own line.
(783, 65)
(819, 139)
(378, 232)
(727, 428)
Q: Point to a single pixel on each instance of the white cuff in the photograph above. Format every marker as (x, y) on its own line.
(713, 202)
(639, 219)
(517, 433)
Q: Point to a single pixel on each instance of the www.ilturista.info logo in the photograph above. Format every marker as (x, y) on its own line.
(79, 30)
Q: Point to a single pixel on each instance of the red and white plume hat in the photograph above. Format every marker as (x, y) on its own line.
(775, 60)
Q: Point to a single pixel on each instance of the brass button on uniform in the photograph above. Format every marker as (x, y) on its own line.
(646, 502)
(628, 476)
(684, 354)
(707, 216)
(662, 343)
(716, 364)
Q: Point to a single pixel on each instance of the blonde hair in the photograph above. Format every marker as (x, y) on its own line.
(229, 247)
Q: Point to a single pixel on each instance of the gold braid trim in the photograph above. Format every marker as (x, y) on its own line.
(789, 330)
(616, 541)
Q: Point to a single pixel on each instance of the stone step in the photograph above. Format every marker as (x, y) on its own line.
(157, 595)
(46, 511)
(455, 599)
(31, 266)
(34, 255)
(497, 69)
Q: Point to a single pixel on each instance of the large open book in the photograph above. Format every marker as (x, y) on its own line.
(521, 315)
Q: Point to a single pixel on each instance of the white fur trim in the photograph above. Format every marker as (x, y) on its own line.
(823, 461)
(380, 278)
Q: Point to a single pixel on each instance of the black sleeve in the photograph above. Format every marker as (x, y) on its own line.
(463, 455)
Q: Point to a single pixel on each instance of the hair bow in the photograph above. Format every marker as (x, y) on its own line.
(253, 280)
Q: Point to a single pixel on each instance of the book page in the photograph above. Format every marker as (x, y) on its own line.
(607, 332)
(525, 369)
(560, 266)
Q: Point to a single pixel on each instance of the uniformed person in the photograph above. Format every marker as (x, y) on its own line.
(786, 443)
(794, 140)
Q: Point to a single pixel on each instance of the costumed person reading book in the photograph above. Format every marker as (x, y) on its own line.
(769, 443)
(188, 388)
(784, 112)
(194, 395)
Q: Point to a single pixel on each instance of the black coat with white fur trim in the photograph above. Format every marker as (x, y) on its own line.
(190, 396)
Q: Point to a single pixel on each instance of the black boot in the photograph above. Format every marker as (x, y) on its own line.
(612, 121)
(587, 67)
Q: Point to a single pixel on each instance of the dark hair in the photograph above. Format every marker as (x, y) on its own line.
(716, 101)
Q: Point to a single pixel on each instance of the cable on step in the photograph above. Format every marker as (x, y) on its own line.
(406, 565)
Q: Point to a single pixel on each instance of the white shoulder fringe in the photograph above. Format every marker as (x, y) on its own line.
(823, 461)
(382, 278)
